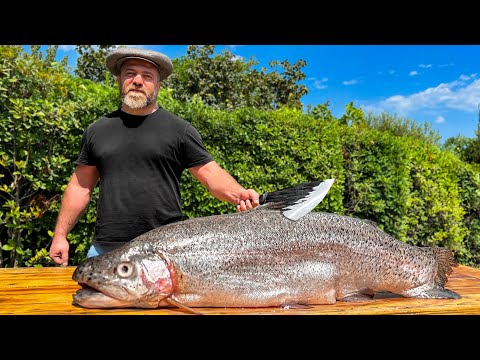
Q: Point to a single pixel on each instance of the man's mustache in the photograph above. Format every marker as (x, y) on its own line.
(136, 89)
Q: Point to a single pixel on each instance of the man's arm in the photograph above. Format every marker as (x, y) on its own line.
(75, 201)
(224, 187)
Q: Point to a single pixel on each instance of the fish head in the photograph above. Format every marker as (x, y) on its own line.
(118, 279)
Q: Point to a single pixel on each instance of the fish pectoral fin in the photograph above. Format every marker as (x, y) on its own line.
(296, 306)
(176, 303)
(360, 295)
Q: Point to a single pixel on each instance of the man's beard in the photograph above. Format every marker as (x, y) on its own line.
(137, 100)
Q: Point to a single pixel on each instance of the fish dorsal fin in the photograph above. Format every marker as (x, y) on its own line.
(298, 201)
(371, 222)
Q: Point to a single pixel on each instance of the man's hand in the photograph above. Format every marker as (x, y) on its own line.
(59, 250)
(249, 199)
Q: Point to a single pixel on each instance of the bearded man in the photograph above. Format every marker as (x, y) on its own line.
(138, 154)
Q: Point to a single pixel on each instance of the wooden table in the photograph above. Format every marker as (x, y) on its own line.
(49, 290)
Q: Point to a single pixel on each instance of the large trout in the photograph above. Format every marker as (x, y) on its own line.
(278, 254)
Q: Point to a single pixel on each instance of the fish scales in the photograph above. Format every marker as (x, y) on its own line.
(226, 256)
(260, 258)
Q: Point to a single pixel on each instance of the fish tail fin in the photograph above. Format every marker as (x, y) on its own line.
(440, 293)
(446, 262)
(436, 290)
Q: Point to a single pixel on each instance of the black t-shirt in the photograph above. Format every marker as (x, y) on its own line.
(140, 160)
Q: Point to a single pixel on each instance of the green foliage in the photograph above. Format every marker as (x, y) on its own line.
(321, 111)
(353, 116)
(469, 183)
(435, 212)
(224, 81)
(458, 145)
(263, 150)
(399, 126)
(43, 112)
(392, 173)
(377, 181)
(474, 149)
(40, 259)
(91, 63)
(467, 149)
(32, 114)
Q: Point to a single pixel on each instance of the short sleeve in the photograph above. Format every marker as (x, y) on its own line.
(194, 151)
(85, 157)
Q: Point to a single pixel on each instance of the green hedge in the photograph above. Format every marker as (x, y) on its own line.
(413, 190)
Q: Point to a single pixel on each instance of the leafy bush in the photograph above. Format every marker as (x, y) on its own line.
(43, 113)
(404, 182)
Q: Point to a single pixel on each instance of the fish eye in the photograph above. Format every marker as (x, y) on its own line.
(124, 269)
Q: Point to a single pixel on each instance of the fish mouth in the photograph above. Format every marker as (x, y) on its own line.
(90, 297)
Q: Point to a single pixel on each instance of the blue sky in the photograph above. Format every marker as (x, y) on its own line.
(438, 84)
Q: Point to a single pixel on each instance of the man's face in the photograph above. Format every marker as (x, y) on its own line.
(139, 83)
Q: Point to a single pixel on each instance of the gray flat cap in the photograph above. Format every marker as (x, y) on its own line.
(116, 58)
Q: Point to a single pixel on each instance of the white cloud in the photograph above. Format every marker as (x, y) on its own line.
(467, 77)
(350, 82)
(425, 66)
(320, 84)
(234, 47)
(445, 65)
(389, 72)
(458, 94)
(136, 46)
(375, 109)
(440, 119)
(413, 73)
(66, 48)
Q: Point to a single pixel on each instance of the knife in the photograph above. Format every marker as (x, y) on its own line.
(297, 201)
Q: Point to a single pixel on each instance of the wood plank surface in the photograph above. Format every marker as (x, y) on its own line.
(49, 290)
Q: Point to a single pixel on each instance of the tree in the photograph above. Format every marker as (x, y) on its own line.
(31, 128)
(467, 149)
(43, 112)
(321, 111)
(226, 81)
(473, 152)
(458, 145)
(400, 126)
(91, 63)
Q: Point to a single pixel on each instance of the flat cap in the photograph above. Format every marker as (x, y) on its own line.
(116, 58)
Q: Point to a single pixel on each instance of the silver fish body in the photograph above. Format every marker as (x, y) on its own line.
(260, 258)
